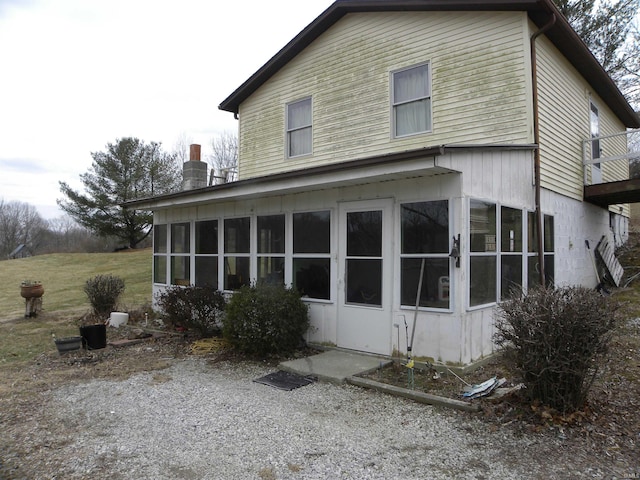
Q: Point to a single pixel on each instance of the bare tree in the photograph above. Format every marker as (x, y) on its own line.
(224, 159)
(20, 223)
(181, 147)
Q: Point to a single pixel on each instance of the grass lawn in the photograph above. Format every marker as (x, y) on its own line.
(63, 276)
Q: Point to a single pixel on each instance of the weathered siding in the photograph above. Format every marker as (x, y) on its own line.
(564, 112)
(480, 87)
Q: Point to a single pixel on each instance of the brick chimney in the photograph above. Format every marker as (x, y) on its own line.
(194, 172)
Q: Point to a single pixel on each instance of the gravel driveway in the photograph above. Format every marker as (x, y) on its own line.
(203, 420)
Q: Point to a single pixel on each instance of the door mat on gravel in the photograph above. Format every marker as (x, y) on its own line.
(285, 380)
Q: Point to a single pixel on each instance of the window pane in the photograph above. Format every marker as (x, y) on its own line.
(511, 230)
(311, 277)
(411, 84)
(533, 274)
(483, 226)
(160, 269)
(482, 280)
(271, 270)
(271, 234)
(435, 282)
(180, 271)
(364, 234)
(414, 117)
(160, 239)
(312, 232)
(180, 238)
(207, 237)
(425, 227)
(236, 272)
(511, 280)
(532, 232)
(548, 233)
(207, 272)
(300, 142)
(364, 282)
(549, 270)
(299, 114)
(236, 235)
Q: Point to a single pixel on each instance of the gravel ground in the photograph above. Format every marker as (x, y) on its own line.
(203, 420)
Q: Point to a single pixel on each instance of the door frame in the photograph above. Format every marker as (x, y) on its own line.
(366, 327)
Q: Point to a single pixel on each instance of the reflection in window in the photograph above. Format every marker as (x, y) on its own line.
(160, 254)
(364, 275)
(425, 237)
(206, 255)
(311, 254)
(271, 249)
(236, 252)
(180, 250)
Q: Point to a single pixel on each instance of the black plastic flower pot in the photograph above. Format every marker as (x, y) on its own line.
(68, 344)
(94, 337)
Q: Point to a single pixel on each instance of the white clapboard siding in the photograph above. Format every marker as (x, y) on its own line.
(564, 109)
(480, 87)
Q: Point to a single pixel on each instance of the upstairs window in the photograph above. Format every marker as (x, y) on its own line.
(411, 101)
(299, 129)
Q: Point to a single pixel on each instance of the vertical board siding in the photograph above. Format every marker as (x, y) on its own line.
(564, 112)
(480, 92)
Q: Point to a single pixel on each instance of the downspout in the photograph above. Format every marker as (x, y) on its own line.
(536, 140)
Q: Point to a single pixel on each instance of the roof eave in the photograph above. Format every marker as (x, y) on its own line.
(562, 35)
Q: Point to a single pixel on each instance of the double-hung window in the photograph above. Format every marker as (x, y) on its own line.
(237, 252)
(482, 253)
(160, 254)
(533, 265)
(299, 128)
(206, 254)
(411, 100)
(180, 254)
(510, 251)
(271, 249)
(312, 254)
(425, 247)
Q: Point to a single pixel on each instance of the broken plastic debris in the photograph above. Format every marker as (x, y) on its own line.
(483, 389)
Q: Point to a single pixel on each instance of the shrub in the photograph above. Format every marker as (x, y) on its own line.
(103, 292)
(554, 338)
(265, 319)
(197, 308)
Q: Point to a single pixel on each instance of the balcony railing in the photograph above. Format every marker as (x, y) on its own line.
(612, 175)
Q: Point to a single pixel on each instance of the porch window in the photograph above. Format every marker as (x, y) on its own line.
(236, 252)
(312, 254)
(160, 254)
(482, 253)
(411, 100)
(206, 254)
(180, 254)
(510, 251)
(299, 128)
(425, 238)
(271, 249)
(548, 246)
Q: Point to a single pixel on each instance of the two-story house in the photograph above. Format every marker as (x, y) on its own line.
(405, 160)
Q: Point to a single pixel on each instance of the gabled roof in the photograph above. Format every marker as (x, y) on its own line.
(539, 11)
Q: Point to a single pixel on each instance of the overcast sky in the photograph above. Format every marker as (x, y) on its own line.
(78, 74)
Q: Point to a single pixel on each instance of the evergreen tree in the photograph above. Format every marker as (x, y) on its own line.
(129, 169)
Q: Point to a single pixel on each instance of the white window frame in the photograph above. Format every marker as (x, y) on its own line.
(289, 130)
(395, 104)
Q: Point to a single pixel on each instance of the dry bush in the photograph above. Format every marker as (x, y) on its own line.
(555, 339)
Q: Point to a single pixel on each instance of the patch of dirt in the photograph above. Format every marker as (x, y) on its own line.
(605, 432)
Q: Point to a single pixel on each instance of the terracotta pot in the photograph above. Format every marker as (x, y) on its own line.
(31, 291)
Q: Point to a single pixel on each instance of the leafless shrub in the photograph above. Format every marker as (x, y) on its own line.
(555, 339)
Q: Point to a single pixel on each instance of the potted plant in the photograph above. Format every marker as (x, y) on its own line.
(103, 292)
(31, 289)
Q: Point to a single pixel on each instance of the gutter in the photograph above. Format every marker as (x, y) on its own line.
(536, 140)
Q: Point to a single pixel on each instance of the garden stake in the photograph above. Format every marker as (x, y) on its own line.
(410, 363)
